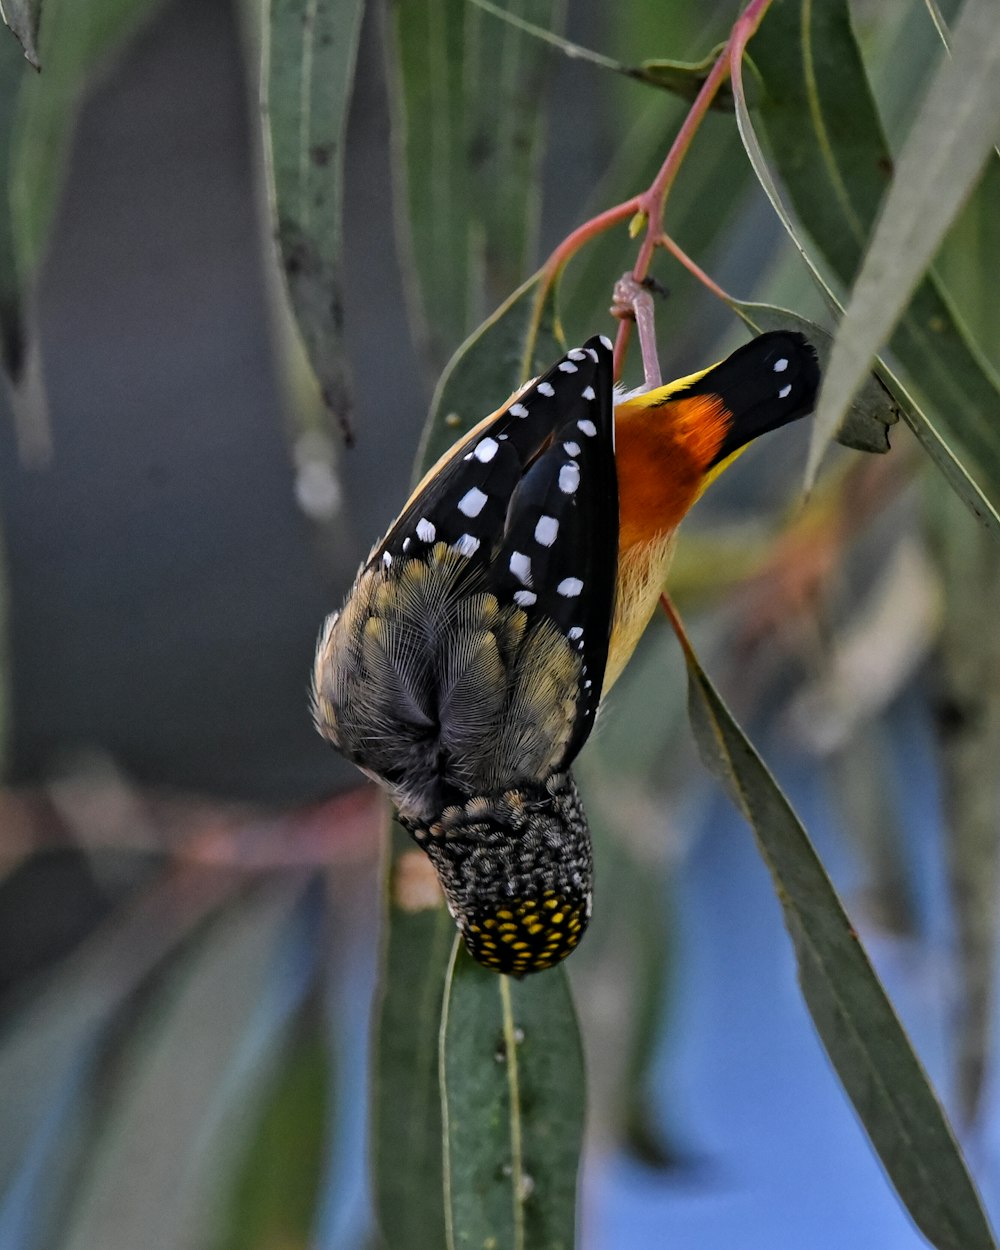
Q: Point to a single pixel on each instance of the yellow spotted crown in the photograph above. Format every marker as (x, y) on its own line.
(527, 934)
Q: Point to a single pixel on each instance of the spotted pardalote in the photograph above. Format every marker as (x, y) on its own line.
(466, 668)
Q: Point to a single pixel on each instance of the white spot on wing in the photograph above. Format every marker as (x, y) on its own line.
(592, 353)
(406, 544)
(606, 342)
(588, 393)
(546, 388)
(577, 354)
(588, 427)
(546, 530)
(780, 365)
(785, 391)
(569, 587)
(518, 410)
(520, 566)
(486, 450)
(567, 366)
(569, 478)
(467, 545)
(386, 558)
(472, 502)
(572, 449)
(425, 530)
(525, 597)
(575, 632)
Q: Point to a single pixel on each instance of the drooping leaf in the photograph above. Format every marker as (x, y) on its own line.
(829, 147)
(967, 723)
(518, 341)
(854, 1019)
(682, 78)
(277, 1190)
(406, 1113)
(12, 71)
(178, 1103)
(76, 41)
(40, 1043)
(952, 136)
(23, 17)
(938, 445)
(310, 50)
(466, 92)
(512, 1076)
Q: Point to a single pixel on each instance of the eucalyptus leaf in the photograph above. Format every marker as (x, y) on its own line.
(23, 17)
(966, 702)
(12, 71)
(817, 108)
(520, 340)
(513, 1098)
(465, 94)
(681, 78)
(952, 136)
(853, 1016)
(310, 49)
(76, 41)
(406, 1114)
(950, 462)
(178, 1100)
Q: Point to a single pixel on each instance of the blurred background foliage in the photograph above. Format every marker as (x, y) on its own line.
(190, 901)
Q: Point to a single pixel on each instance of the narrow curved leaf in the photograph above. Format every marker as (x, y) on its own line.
(952, 136)
(520, 340)
(177, 1103)
(465, 92)
(853, 1016)
(513, 1099)
(406, 1112)
(76, 40)
(23, 17)
(12, 72)
(682, 78)
(310, 51)
(278, 1186)
(939, 447)
(966, 703)
(829, 146)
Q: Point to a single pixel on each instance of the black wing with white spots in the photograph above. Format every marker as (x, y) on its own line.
(532, 502)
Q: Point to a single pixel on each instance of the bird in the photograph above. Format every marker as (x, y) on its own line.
(465, 671)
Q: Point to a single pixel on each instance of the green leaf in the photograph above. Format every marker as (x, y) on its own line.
(278, 1188)
(309, 54)
(467, 125)
(23, 16)
(866, 423)
(178, 1102)
(12, 72)
(76, 40)
(939, 447)
(512, 1076)
(41, 1042)
(406, 1114)
(682, 78)
(967, 723)
(952, 136)
(853, 1016)
(828, 144)
(520, 340)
